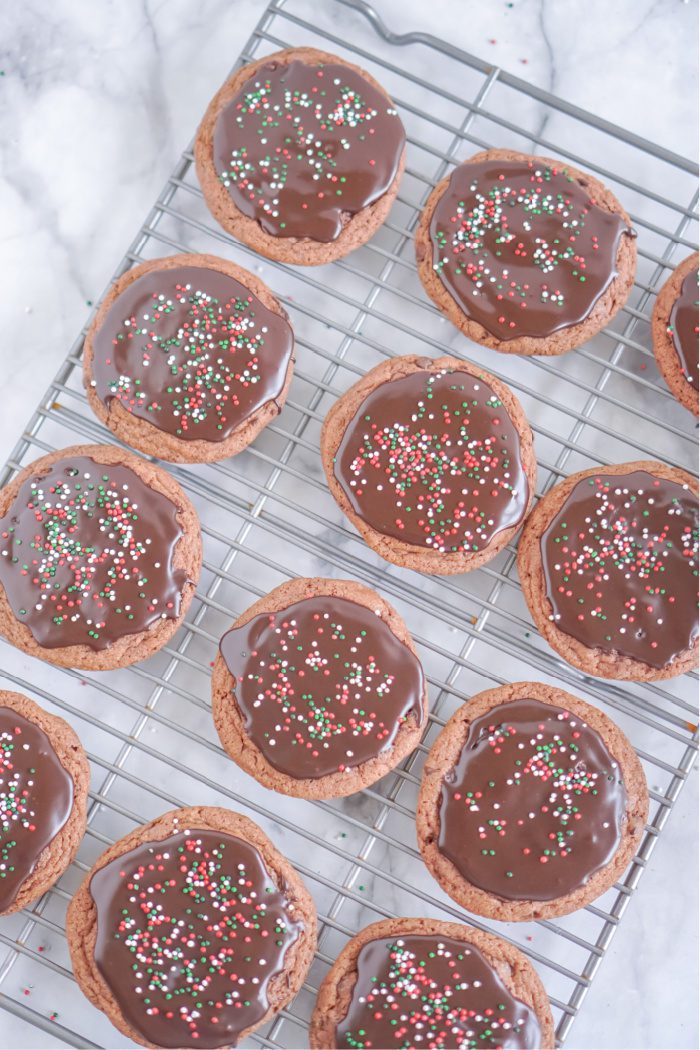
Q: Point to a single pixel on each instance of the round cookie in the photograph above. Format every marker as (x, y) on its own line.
(188, 358)
(437, 488)
(317, 690)
(44, 781)
(224, 942)
(674, 331)
(458, 988)
(525, 254)
(531, 805)
(100, 554)
(300, 155)
(614, 592)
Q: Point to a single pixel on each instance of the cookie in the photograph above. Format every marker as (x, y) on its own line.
(192, 931)
(674, 331)
(420, 982)
(100, 553)
(524, 254)
(432, 461)
(44, 781)
(608, 564)
(300, 155)
(317, 690)
(531, 805)
(188, 358)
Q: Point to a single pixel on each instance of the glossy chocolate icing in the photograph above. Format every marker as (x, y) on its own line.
(301, 148)
(36, 800)
(323, 685)
(427, 990)
(190, 931)
(534, 805)
(192, 351)
(433, 459)
(620, 561)
(86, 554)
(522, 248)
(683, 327)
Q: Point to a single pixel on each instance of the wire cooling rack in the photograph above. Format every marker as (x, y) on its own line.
(267, 516)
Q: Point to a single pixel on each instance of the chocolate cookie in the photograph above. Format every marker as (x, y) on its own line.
(192, 931)
(525, 254)
(432, 461)
(188, 358)
(407, 983)
(300, 155)
(608, 563)
(100, 553)
(317, 690)
(44, 781)
(674, 330)
(532, 803)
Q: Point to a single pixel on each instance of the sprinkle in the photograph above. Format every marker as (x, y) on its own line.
(432, 992)
(621, 560)
(188, 361)
(514, 243)
(291, 143)
(200, 926)
(437, 464)
(324, 684)
(77, 551)
(528, 774)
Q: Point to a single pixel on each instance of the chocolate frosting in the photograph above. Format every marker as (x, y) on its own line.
(86, 554)
(323, 685)
(683, 328)
(428, 990)
(433, 459)
(534, 805)
(522, 248)
(36, 800)
(301, 148)
(192, 351)
(620, 563)
(190, 931)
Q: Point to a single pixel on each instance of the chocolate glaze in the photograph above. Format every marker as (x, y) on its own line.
(36, 800)
(302, 147)
(620, 562)
(192, 351)
(323, 685)
(74, 580)
(534, 805)
(683, 327)
(181, 939)
(433, 459)
(428, 990)
(522, 248)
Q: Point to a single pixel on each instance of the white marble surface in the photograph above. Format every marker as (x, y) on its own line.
(96, 101)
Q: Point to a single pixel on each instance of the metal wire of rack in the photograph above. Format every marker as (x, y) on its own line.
(267, 516)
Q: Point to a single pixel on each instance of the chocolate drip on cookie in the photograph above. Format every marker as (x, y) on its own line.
(522, 248)
(86, 554)
(192, 351)
(434, 991)
(534, 805)
(620, 562)
(302, 147)
(434, 459)
(323, 685)
(683, 328)
(36, 800)
(191, 930)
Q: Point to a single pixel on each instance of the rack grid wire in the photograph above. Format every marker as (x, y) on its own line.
(267, 516)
